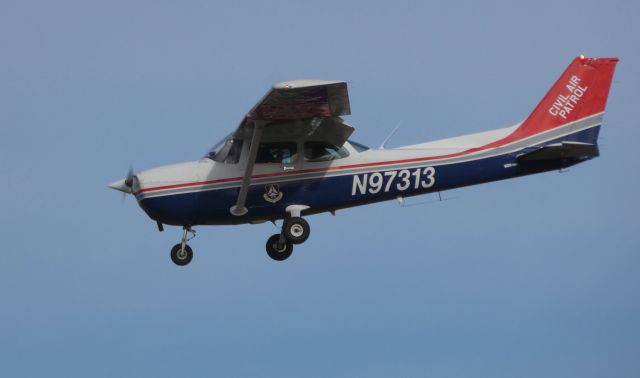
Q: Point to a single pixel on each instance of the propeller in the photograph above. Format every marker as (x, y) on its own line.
(129, 180)
(125, 185)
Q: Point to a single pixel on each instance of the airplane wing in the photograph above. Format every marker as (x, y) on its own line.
(293, 108)
(303, 99)
(289, 110)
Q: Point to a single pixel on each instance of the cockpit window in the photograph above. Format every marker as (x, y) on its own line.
(358, 147)
(277, 152)
(226, 151)
(323, 151)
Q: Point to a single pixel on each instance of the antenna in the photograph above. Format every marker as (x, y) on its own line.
(390, 135)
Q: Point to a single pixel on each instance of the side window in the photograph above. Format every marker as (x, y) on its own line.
(277, 152)
(322, 151)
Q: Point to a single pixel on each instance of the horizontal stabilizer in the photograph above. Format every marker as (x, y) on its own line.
(560, 151)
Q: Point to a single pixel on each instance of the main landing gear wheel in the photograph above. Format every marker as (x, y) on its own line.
(181, 256)
(296, 230)
(278, 250)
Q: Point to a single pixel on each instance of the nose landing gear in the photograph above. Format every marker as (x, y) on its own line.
(181, 253)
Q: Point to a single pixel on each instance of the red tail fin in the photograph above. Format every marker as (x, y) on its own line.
(581, 91)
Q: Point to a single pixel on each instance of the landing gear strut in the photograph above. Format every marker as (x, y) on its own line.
(181, 253)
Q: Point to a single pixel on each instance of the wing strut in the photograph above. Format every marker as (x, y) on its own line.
(239, 209)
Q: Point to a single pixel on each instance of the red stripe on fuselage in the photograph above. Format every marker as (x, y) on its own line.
(509, 139)
(302, 171)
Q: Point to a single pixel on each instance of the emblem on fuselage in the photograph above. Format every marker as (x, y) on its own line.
(272, 193)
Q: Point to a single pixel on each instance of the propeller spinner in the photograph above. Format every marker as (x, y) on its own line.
(125, 185)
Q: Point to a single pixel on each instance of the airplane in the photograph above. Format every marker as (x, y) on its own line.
(291, 157)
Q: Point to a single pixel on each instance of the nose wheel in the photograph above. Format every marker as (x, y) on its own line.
(181, 253)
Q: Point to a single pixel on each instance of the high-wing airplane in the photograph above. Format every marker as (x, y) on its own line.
(291, 157)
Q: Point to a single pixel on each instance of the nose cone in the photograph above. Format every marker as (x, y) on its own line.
(121, 185)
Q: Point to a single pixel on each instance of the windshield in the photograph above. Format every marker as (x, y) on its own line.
(226, 151)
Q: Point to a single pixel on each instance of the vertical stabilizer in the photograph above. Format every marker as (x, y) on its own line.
(581, 91)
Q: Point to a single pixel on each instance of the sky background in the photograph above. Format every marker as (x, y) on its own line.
(533, 277)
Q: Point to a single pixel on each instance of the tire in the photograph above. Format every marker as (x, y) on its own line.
(274, 252)
(180, 257)
(296, 230)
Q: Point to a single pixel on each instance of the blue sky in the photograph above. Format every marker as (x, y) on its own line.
(531, 277)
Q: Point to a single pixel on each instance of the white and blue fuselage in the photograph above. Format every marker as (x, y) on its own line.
(202, 191)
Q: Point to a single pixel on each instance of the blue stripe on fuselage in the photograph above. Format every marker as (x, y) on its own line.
(329, 193)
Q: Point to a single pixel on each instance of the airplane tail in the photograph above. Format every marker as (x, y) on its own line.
(578, 97)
